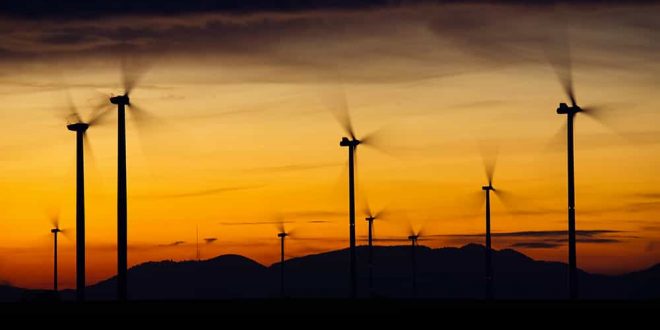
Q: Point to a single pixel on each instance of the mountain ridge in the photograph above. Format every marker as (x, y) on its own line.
(445, 273)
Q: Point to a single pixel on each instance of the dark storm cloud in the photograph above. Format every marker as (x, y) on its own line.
(562, 35)
(372, 41)
(89, 9)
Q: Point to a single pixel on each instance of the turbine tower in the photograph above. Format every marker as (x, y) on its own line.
(413, 241)
(122, 231)
(351, 144)
(55, 231)
(561, 60)
(570, 112)
(130, 78)
(370, 219)
(282, 235)
(371, 216)
(489, 265)
(80, 128)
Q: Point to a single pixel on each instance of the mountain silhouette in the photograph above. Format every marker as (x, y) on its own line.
(443, 273)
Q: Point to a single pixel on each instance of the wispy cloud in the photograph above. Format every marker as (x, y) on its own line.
(210, 240)
(536, 245)
(253, 223)
(545, 239)
(540, 233)
(200, 193)
(314, 214)
(293, 167)
(175, 243)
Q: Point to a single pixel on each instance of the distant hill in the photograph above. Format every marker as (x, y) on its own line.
(446, 273)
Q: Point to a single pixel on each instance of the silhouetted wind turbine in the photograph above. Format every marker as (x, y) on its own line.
(371, 216)
(351, 142)
(129, 80)
(55, 230)
(490, 171)
(80, 127)
(282, 234)
(414, 237)
(563, 68)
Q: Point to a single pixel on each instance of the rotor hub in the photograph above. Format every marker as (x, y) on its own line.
(78, 127)
(120, 100)
(565, 109)
(346, 142)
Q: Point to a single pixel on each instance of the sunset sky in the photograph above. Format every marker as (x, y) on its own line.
(241, 129)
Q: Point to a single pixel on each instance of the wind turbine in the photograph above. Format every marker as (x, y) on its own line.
(55, 230)
(371, 216)
(563, 68)
(414, 237)
(80, 127)
(351, 142)
(129, 80)
(490, 171)
(282, 235)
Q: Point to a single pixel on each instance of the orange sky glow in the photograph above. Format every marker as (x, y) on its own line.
(241, 133)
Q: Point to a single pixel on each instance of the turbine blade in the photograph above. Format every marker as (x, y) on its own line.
(558, 54)
(338, 105)
(66, 233)
(421, 232)
(90, 159)
(367, 208)
(381, 214)
(132, 71)
(55, 221)
(558, 140)
(489, 155)
(379, 140)
(100, 113)
(140, 115)
(606, 116)
(72, 112)
(280, 227)
(356, 173)
(507, 199)
(475, 200)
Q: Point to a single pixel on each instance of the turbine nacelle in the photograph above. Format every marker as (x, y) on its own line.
(346, 142)
(55, 230)
(488, 187)
(564, 109)
(120, 100)
(413, 238)
(282, 235)
(78, 127)
(370, 218)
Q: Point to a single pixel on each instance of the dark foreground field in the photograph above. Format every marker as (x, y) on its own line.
(325, 307)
